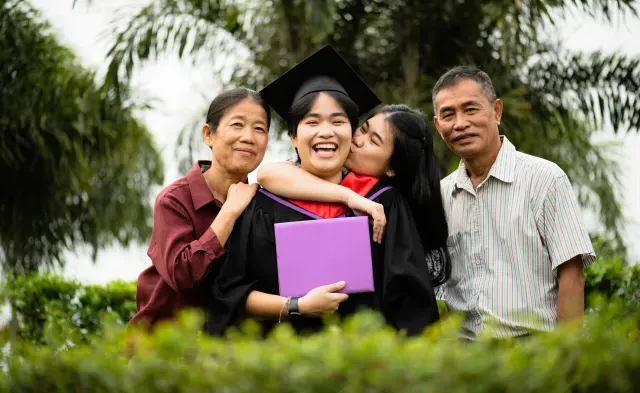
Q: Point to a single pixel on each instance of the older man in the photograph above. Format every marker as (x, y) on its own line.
(517, 240)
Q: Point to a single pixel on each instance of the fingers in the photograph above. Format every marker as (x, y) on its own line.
(335, 286)
(359, 212)
(338, 297)
(379, 224)
(323, 300)
(376, 231)
(250, 187)
(243, 190)
(383, 226)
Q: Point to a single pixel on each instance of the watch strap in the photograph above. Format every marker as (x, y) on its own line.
(293, 306)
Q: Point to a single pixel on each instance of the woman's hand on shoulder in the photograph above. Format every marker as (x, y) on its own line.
(238, 197)
(361, 206)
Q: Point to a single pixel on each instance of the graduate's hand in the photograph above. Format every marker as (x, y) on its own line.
(238, 197)
(361, 206)
(322, 300)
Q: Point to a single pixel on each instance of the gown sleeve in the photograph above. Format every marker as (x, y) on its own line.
(408, 298)
(236, 278)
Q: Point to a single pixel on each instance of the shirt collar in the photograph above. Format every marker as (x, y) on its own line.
(200, 193)
(462, 177)
(502, 169)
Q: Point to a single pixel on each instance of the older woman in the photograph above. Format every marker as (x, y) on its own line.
(194, 215)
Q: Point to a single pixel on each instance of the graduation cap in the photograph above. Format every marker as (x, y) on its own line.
(324, 70)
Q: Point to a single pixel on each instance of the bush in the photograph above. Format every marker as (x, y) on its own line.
(50, 308)
(360, 356)
(614, 280)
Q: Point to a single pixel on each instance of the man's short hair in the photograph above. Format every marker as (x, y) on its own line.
(456, 74)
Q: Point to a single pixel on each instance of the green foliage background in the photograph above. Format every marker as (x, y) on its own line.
(77, 166)
(81, 169)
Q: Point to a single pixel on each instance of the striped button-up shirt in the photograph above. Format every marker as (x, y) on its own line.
(507, 237)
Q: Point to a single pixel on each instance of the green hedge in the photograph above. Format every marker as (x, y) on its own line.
(49, 307)
(614, 279)
(360, 356)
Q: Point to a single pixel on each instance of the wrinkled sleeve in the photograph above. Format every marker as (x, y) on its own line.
(181, 259)
(409, 301)
(236, 280)
(563, 230)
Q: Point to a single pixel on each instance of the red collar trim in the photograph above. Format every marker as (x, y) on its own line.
(359, 183)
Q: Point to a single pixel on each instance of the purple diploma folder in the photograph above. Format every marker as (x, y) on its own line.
(320, 252)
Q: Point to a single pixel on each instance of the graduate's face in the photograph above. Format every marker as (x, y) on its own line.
(323, 139)
(371, 147)
(467, 120)
(239, 142)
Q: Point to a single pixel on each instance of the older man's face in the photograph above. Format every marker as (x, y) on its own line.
(466, 120)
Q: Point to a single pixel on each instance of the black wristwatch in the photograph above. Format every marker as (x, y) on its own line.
(293, 306)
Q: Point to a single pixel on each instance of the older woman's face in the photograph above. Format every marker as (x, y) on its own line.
(323, 139)
(240, 141)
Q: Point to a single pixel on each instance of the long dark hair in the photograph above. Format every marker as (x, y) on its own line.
(417, 177)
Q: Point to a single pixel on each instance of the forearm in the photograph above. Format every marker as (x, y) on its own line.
(292, 182)
(570, 291)
(266, 306)
(570, 303)
(183, 267)
(181, 260)
(223, 224)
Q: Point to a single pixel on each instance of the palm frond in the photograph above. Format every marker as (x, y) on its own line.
(604, 88)
(607, 9)
(537, 126)
(80, 166)
(517, 25)
(183, 27)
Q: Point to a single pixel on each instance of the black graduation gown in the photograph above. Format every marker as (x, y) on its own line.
(403, 291)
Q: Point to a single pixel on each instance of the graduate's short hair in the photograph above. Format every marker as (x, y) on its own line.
(302, 107)
(417, 177)
(228, 99)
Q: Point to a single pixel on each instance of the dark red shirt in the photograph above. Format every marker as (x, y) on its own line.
(183, 249)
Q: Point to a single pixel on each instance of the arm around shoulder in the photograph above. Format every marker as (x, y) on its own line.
(287, 180)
